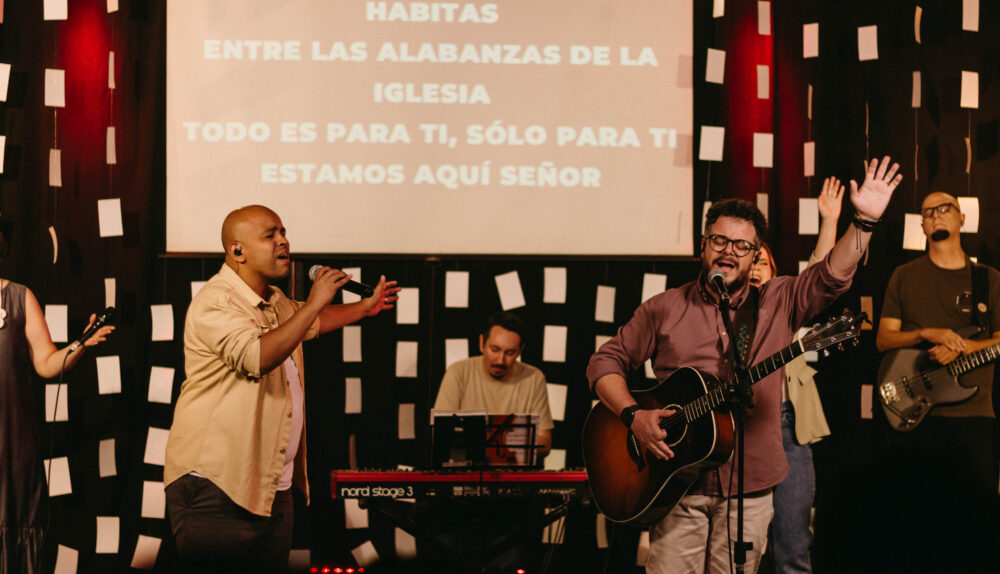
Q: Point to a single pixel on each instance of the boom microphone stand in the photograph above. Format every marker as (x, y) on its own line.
(742, 401)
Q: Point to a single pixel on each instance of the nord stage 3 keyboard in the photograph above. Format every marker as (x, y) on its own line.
(391, 484)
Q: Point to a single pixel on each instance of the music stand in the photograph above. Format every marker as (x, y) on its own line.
(458, 438)
(510, 440)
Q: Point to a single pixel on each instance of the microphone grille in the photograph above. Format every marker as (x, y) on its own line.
(313, 271)
(716, 274)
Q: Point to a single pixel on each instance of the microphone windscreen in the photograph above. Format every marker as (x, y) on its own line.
(313, 271)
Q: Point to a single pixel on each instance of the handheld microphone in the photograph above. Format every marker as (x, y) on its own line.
(101, 320)
(351, 286)
(716, 279)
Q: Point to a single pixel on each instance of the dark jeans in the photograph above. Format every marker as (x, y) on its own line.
(212, 533)
(793, 499)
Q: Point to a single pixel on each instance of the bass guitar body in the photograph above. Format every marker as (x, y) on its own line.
(641, 490)
(911, 384)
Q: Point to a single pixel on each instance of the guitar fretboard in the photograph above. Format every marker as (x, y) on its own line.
(965, 363)
(716, 396)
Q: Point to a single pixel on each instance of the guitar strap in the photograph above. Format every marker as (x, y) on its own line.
(981, 318)
(980, 298)
(745, 324)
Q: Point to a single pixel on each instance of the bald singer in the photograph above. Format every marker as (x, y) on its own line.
(237, 443)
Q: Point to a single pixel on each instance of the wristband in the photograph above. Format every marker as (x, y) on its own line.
(865, 224)
(628, 415)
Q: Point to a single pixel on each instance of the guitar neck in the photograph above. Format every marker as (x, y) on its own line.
(967, 362)
(718, 395)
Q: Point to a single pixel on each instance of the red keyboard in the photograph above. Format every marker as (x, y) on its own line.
(427, 483)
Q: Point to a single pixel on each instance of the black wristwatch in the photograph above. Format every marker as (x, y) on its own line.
(628, 415)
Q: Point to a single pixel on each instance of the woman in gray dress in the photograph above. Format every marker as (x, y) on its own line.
(25, 346)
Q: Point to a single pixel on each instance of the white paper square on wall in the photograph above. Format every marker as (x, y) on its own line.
(712, 139)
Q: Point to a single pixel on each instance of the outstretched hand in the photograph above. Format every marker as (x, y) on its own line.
(830, 198)
(385, 296)
(872, 198)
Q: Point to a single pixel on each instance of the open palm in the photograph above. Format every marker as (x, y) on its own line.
(872, 198)
(829, 199)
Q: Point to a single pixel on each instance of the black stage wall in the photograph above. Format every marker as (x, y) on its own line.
(859, 109)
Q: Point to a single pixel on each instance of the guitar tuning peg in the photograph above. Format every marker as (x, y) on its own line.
(855, 342)
(826, 352)
(840, 346)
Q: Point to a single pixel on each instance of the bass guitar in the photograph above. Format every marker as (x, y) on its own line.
(630, 484)
(910, 383)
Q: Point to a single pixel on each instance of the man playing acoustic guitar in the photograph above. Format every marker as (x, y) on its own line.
(948, 458)
(683, 327)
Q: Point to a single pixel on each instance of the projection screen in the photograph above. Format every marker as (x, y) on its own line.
(558, 127)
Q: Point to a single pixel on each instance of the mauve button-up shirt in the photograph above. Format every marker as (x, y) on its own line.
(682, 327)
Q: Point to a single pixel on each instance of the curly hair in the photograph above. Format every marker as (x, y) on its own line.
(740, 209)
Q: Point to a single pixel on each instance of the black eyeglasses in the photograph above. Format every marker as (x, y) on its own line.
(741, 247)
(943, 209)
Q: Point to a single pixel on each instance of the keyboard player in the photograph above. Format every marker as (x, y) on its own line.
(497, 382)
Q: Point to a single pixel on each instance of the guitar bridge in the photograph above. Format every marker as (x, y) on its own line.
(915, 413)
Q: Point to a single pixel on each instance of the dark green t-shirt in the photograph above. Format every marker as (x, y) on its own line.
(923, 295)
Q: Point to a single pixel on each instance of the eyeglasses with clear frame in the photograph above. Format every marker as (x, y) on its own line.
(718, 243)
(943, 209)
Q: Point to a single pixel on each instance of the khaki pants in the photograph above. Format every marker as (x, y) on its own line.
(693, 539)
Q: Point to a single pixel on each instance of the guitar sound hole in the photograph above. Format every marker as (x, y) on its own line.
(677, 430)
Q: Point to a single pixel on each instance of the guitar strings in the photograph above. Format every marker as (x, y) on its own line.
(714, 397)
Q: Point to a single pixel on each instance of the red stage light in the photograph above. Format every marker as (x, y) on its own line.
(314, 570)
(519, 571)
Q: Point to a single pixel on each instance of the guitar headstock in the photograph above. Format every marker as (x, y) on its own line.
(836, 330)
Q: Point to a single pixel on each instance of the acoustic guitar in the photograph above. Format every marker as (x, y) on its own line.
(911, 384)
(632, 485)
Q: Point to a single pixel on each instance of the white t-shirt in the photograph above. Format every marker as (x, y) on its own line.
(298, 405)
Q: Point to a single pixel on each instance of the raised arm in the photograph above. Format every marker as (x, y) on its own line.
(869, 203)
(830, 201)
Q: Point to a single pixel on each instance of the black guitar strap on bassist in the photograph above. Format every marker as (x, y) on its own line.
(981, 298)
(981, 317)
